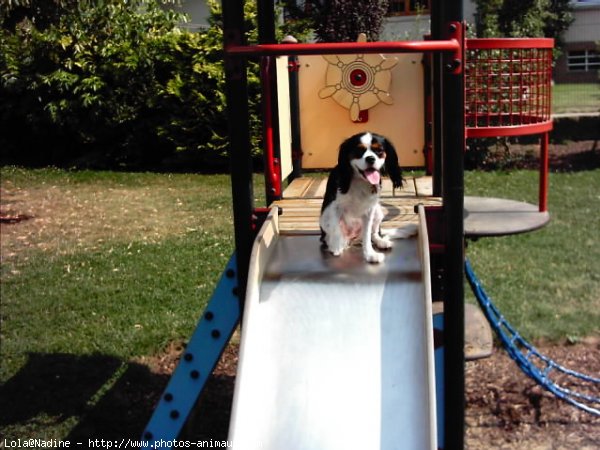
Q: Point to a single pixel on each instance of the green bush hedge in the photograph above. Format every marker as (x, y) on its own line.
(111, 84)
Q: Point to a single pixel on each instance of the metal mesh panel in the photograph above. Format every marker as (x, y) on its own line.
(507, 87)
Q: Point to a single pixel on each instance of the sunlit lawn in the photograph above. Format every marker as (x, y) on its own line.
(576, 97)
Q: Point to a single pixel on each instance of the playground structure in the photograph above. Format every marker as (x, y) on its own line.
(335, 344)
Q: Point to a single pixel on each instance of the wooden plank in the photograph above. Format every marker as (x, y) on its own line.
(318, 188)
(302, 214)
(298, 202)
(407, 189)
(306, 187)
(297, 188)
(285, 121)
(424, 186)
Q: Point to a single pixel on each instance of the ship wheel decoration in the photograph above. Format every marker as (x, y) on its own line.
(358, 82)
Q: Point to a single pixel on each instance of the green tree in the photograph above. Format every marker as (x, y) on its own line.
(202, 89)
(523, 18)
(559, 21)
(340, 20)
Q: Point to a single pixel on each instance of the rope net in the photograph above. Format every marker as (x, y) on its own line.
(535, 365)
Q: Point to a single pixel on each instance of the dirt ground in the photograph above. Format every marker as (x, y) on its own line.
(564, 157)
(507, 410)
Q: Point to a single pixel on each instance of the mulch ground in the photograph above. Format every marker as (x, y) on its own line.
(564, 157)
(508, 410)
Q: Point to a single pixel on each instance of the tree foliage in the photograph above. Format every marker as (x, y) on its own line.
(340, 20)
(93, 82)
(108, 83)
(523, 18)
(92, 79)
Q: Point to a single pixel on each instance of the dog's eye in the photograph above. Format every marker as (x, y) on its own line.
(377, 149)
(358, 152)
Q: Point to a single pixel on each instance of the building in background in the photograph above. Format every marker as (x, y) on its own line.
(580, 60)
(197, 12)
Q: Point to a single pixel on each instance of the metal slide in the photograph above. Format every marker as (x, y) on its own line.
(335, 353)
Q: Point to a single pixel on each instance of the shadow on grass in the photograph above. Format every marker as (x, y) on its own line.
(112, 399)
(574, 157)
(586, 160)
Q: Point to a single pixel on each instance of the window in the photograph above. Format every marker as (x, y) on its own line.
(407, 7)
(583, 60)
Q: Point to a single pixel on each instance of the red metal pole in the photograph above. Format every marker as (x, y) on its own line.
(450, 45)
(272, 166)
(543, 195)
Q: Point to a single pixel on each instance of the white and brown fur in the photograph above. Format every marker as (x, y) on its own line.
(351, 206)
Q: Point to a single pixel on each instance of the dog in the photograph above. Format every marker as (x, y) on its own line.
(351, 206)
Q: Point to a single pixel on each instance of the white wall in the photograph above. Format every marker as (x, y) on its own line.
(586, 26)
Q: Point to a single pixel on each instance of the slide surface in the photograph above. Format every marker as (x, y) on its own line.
(335, 353)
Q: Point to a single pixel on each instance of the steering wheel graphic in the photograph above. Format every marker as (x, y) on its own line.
(358, 82)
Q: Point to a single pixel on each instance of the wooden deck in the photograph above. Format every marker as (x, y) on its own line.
(301, 207)
(302, 199)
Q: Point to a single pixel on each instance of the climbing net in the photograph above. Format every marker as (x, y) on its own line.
(530, 361)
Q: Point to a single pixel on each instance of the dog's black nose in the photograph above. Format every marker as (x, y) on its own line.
(370, 160)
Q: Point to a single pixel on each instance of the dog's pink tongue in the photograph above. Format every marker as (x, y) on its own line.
(373, 176)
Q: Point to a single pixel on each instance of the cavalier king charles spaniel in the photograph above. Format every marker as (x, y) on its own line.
(351, 206)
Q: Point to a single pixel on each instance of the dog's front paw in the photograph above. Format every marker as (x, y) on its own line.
(334, 246)
(336, 250)
(382, 243)
(374, 257)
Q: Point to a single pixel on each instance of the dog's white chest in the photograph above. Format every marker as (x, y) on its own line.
(357, 201)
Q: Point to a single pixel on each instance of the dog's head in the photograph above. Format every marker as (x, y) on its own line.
(365, 156)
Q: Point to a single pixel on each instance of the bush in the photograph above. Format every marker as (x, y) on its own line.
(112, 84)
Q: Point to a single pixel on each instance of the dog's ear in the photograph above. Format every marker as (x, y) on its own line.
(392, 165)
(345, 171)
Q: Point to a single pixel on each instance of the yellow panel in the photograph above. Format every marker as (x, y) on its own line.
(325, 124)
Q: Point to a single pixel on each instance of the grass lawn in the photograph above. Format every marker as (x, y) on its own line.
(112, 267)
(547, 282)
(110, 263)
(576, 97)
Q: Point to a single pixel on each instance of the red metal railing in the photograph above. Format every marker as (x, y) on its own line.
(508, 86)
(508, 92)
